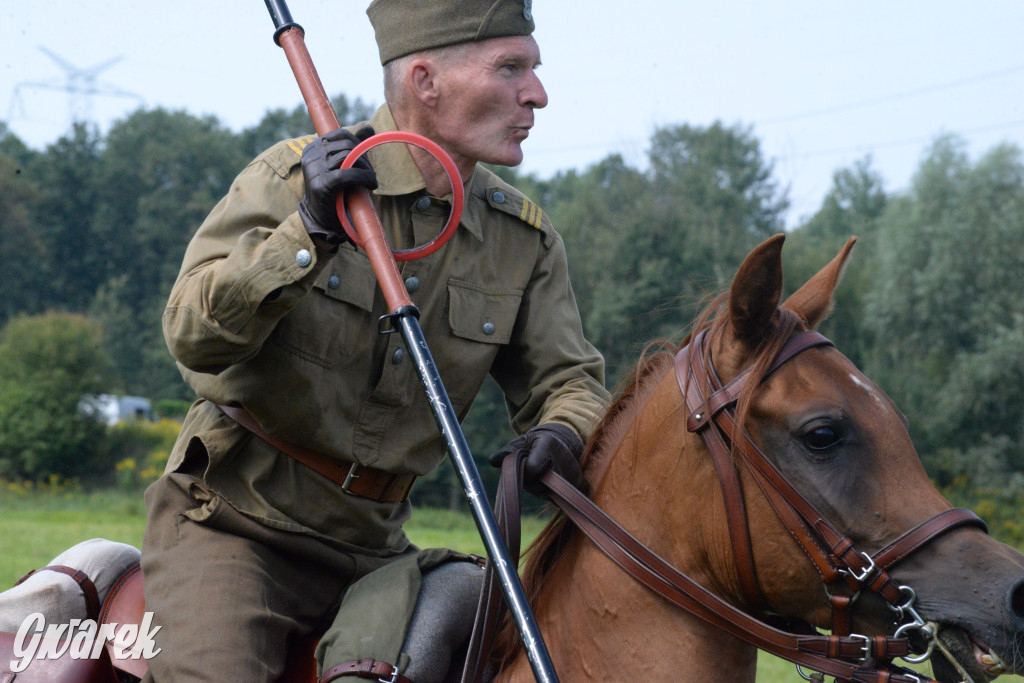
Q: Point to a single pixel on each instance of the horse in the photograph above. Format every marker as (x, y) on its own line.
(826, 431)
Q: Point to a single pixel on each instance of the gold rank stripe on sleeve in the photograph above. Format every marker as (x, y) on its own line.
(298, 144)
(531, 214)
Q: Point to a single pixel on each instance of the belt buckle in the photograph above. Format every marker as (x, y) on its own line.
(348, 479)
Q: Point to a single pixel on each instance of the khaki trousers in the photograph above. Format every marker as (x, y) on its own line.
(230, 595)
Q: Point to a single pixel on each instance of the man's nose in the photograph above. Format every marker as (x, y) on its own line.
(534, 95)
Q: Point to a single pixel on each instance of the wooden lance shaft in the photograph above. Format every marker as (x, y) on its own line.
(360, 207)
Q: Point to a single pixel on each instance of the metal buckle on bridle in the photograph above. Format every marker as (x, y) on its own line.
(865, 574)
(917, 624)
(865, 648)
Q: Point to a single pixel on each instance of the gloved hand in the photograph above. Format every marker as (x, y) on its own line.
(550, 445)
(324, 179)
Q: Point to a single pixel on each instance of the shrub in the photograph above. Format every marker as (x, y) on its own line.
(140, 450)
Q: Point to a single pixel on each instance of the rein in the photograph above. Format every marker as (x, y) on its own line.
(711, 413)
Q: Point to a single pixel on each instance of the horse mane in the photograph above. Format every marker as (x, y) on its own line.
(656, 359)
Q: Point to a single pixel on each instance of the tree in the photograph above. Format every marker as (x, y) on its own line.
(714, 184)
(66, 175)
(646, 248)
(22, 250)
(160, 174)
(946, 310)
(47, 364)
(281, 124)
(852, 208)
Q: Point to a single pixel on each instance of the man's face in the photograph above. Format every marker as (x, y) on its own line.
(487, 98)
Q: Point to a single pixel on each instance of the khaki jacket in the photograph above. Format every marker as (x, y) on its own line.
(258, 317)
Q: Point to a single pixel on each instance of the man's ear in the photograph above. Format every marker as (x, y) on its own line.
(421, 79)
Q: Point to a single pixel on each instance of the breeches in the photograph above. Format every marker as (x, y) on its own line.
(232, 596)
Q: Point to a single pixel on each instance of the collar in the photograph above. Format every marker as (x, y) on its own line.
(398, 175)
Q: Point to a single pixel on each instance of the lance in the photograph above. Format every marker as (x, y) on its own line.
(404, 316)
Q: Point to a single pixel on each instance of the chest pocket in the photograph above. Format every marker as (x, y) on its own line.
(349, 277)
(335, 320)
(482, 315)
(480, 321)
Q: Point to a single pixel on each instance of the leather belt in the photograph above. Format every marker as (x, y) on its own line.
(365, 482)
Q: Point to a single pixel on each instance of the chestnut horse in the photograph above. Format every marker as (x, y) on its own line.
(844, 447)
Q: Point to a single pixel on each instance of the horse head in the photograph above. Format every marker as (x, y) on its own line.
(837, 527)
(843, 444)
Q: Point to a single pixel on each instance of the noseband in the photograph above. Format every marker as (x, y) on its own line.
(844, 569)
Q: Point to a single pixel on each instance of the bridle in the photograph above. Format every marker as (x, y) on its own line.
(845, 655)
(844, 569)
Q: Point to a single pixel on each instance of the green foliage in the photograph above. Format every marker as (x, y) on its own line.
(65, 217)
(47, 364)
(852, 208)
(646, 248)
(172, 409)
(158, 177)
(945, 311)
(22, 249)
(1000, 505)
(281, 124)
(140, 450)
(929, 304)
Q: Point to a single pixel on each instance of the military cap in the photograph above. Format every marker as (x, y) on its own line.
(406, 26)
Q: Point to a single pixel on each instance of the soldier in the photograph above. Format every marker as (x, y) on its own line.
(290, 479)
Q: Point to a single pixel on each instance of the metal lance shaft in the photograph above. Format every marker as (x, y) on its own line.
(405, 317)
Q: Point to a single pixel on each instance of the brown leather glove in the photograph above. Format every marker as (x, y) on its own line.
(550, 445)
(323, 180)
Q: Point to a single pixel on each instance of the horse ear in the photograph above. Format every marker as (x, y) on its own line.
(756, 290)
(813, 301)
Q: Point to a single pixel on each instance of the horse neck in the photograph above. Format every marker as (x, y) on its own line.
(598, 623)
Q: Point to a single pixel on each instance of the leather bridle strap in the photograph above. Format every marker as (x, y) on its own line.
(711, 407)
(924, 532)
(491, 607)
(710, 415)
(819, 652)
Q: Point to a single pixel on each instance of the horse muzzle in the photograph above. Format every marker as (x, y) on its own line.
(960, 658)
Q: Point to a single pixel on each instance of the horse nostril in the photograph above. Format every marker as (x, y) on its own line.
(1017, 599)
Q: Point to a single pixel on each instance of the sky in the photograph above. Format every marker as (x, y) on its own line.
(820, 84)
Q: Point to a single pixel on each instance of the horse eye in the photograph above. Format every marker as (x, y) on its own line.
(821, 438)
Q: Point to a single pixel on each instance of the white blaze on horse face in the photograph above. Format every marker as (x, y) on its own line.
(872, 391)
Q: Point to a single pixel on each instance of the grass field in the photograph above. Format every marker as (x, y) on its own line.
(34, 527)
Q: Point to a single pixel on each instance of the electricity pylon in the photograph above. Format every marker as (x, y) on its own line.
(80, 84)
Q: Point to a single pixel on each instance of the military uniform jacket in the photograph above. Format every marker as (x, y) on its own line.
(260, 318)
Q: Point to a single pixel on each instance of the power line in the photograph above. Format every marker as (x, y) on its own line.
(898, 143)
(893, 97)
(619, 145)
